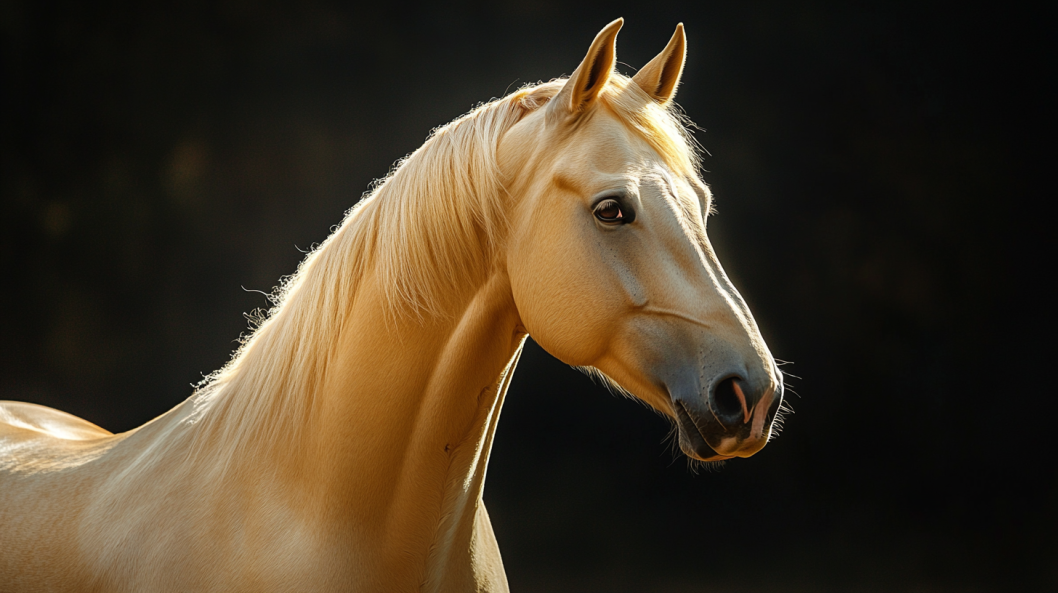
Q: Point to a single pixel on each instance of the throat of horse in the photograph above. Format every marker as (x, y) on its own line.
(406, 416)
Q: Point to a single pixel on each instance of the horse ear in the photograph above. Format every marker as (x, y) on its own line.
(661, 75)
(591, 76)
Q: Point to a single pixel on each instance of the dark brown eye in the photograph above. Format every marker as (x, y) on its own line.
(609, 211)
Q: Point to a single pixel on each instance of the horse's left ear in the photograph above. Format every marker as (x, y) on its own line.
(661, 75)
(591, 76)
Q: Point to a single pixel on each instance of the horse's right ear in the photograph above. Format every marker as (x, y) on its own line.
(590, 77)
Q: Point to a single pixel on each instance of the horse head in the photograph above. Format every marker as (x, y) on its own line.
(608, 257)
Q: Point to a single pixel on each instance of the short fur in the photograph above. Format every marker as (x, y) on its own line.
(344, 447)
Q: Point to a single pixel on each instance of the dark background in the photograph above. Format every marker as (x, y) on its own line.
(882, 174)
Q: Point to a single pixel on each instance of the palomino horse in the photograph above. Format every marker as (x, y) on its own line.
(344, 447)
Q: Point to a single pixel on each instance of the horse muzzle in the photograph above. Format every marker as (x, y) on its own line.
(733, 419)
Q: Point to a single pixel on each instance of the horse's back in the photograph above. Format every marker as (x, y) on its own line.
(16, 417)
(38, 443)
(44, 480)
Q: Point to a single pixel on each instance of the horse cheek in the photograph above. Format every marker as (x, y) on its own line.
(557, 296)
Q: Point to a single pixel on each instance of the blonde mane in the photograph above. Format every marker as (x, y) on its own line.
(346, 443)
(427, 231)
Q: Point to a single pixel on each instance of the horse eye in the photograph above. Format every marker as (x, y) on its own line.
(609, 211)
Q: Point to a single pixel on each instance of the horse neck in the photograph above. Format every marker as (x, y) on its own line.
(406, 410)
(367, 416)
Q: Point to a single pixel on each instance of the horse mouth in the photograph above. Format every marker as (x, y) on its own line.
(692, 441)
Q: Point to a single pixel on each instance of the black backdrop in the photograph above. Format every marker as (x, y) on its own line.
(880, 177)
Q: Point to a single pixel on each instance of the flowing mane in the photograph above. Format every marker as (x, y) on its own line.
(345, 445)
(426, 229)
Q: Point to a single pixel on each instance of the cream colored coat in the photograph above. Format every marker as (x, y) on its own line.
(344, 448)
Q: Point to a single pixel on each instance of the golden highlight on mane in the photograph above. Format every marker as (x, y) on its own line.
(427, 230)
(345, 444)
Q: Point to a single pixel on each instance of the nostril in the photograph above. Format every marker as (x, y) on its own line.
(729, 402)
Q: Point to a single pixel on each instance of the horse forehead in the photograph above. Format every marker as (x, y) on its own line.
(606, 151)
(608, 141)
